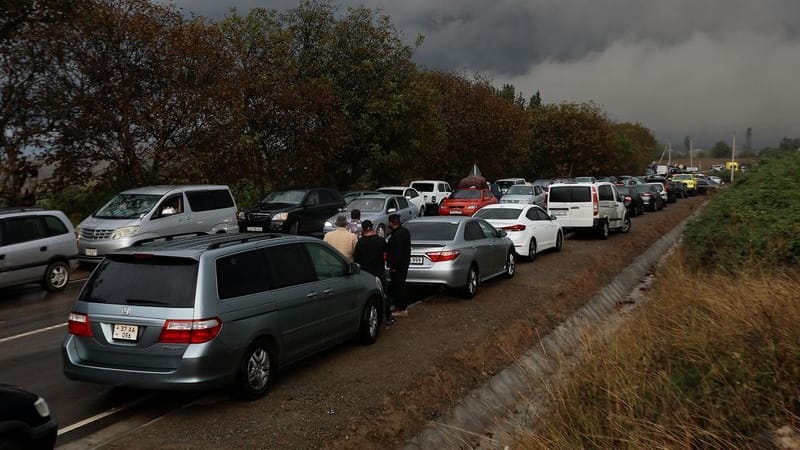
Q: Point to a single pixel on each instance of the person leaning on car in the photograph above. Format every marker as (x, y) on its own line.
(341, 239)
(398, 259)
(369, 255)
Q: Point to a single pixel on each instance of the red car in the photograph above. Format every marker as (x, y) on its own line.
(465, 202)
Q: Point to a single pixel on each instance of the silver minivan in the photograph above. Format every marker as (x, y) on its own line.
(154, 211)
(36, 245)
(201, 312)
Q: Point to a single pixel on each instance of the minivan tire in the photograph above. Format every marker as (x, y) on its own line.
(370, 323)
(256, 370)
(471, 288)
(56, 276)
(602, 230)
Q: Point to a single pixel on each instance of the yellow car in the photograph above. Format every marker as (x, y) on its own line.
(688, 180)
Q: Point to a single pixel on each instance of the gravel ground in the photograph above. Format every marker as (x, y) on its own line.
(381, 395)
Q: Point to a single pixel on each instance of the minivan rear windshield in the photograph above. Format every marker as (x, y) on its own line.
(432, 231)
(570, 194)
(143, 280)
(127, 206)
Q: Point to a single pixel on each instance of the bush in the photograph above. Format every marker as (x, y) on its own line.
(754, 222)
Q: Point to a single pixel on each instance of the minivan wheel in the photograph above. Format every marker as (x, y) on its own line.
(56, 276)
(626, 224)
(602, 230)
(472, 282)
(511, 264)
(370, 323)
(532, 249)
(256, 370)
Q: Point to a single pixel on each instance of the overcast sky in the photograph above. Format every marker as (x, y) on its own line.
(704, 68)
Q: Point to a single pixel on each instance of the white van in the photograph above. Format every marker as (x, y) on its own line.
(433, 191)
(596, 207)
(154, 211)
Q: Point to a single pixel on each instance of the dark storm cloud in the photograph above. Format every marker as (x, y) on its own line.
(682, 67)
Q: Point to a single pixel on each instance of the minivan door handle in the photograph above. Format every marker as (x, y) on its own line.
(311, 295)
(327, 291)
(43, 249)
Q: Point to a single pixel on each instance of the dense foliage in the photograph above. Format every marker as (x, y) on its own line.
(109, 94)
(755, 222)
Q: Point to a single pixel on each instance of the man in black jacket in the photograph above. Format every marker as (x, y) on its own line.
(398, 259)
(369, 255)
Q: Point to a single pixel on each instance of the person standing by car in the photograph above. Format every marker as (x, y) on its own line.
(355, 223)
(369, 255)
(398, 259)
(341, 239)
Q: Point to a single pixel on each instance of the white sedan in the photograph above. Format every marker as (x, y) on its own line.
(414, 197)
(530, 227)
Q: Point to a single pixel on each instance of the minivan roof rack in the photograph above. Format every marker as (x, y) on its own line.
(170, 237)
(15, 209)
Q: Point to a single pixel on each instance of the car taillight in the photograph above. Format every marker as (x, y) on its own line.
(517, 227)
(595, 202)
(190, 331)
(79, 325)
(448, 255)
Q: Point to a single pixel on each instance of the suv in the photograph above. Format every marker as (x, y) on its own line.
(297, 211)
(506, 183)
(221, 310)
(594, 207)
(36, 245)
(154, 211)
(433, 191)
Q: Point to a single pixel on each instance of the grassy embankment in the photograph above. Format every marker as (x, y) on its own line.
(713, 359)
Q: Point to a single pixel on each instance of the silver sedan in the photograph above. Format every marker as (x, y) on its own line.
(458, 252)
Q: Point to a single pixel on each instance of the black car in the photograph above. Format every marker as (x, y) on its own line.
(632, 199)
(296, 211)
(671, 194)
(651, 197)
(679, 189)
(705, 187)
(25, 420)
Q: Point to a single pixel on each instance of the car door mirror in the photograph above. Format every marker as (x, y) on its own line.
(391, 210)
(553, 217)
(501, 233)
(168, 211)
(354, 269)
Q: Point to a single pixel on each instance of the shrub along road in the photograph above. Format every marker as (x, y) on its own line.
(380, 396)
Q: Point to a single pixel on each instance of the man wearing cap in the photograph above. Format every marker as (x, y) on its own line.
(341, 239)
(398, 257)
(369, 255)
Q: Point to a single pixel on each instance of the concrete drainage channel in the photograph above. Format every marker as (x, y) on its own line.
(486, 416)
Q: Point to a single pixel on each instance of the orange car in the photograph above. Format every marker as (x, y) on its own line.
(465, 202)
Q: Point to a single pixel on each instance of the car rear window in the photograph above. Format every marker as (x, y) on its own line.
(432, 231)
(499, 213)
(570, 194)
(423, 187)
(469, 194)
(143, 280)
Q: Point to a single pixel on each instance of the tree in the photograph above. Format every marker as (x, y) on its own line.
(721, 150)
(635, 145)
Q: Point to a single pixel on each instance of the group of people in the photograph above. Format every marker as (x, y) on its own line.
(359, 242)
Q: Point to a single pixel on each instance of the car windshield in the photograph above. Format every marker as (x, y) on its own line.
(520, 190)
(499, 213)
(127, 206)
(432, 231)
(505, 184)
(366, 204)
(423, 187)
(466, 194)
(284, 198)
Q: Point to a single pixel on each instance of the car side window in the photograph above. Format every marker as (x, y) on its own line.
(392, 203)
(289, 265)
(326, 197)
(241, 274)
(312, 199)
(532, 214)
(53, 226)
(170, 206)
(488, 230)
(605, 193)
(22, 229)
(209, 199)
(402, 202)
(326, 262)
(472, 231)
(542, 214)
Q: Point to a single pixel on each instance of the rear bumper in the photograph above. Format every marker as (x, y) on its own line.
(452, 274)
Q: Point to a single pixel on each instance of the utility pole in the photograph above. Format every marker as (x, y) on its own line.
(691, 153)
(733, 157)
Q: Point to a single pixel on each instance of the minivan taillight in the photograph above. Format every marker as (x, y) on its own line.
(79, 325)
(190, 331)
(595, 202)
(448, 255)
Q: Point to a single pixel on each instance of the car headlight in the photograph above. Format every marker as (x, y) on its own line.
(328, 224)
(280, 216)
(41, 407)
(125, 232)
(241, 215)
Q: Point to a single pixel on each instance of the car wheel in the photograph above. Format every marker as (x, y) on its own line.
(381, 231)
(421, 211)
(626, 224)
(602, 230)
(472, 282)
(511, 264)
(56, 276)
(294, 228)
(559, 241)
(256, 370)
(370, 323)
(532, 250)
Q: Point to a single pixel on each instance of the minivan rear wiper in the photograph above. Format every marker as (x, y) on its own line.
(139, 301)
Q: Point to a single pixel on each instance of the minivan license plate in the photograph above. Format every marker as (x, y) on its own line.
(91, 252)
(126, 332)
(416, 260)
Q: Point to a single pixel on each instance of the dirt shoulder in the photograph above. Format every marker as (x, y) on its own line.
(381, 396)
